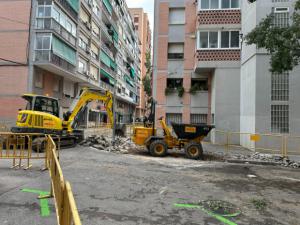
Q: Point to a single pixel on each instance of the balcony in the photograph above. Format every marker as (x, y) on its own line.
(47, 60)
(71, 11)
(53, 25)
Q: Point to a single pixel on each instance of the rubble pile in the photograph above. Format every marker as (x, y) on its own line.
(103, 143)
(268, 158)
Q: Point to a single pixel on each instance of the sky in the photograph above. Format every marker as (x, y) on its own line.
(147, 5)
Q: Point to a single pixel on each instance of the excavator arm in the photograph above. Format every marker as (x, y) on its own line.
(87, 95)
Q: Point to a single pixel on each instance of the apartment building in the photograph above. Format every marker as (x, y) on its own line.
(142, 26)
(205, 73)
(197, 61)
(56, 47)
(269, 101)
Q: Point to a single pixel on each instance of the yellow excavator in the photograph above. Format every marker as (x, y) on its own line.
(42, 114)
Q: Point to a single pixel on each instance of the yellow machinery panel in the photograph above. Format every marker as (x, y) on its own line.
(38, 120)
(141, 134)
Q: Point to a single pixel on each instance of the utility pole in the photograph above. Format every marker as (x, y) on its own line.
(111, 33)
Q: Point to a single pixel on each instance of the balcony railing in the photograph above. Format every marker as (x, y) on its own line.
(68, 8)
(52, 24)
(108, 70)
(106, 86)
(47, 56)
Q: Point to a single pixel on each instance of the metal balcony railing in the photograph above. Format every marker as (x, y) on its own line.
(52, 24)
(47, 56)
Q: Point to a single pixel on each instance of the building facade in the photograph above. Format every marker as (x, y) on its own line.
(67, 45)
(205, 73)
(268, 100)
(142, 26)
(197, 62)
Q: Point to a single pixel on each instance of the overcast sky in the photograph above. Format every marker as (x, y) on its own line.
(147, 5)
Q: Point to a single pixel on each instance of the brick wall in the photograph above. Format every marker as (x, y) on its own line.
(218, 55)
(219, 17)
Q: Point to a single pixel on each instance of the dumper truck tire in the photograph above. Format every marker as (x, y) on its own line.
(158, 148)
(194, 150)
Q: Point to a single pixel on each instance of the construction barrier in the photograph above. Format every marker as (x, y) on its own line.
(22, 147)
(66, 211)
(284, 145)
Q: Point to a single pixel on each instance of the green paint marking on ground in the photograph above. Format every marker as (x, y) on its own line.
(216, 216)
(45, 211)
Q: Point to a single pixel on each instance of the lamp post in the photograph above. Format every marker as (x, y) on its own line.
(111, 33)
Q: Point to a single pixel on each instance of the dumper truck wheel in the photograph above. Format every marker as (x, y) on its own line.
(193, 150)
(158, 148)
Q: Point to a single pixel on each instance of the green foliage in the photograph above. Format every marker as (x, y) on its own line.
(281, 42)
(147, 85)
(169, 90)
(180, 91)
(195, 88)
(259, 204)
(147, 78)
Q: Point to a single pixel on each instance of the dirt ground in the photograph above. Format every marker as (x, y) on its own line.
(138, 189)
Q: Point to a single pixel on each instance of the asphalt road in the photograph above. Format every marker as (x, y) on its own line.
(138, 189)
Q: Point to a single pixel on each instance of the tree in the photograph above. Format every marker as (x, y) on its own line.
(281, 42)
(147, 78)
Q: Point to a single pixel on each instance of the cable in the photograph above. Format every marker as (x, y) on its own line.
(12, 20)
(11, 61)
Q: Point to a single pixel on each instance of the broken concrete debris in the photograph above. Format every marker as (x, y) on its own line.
(104, 143)
(267, 158)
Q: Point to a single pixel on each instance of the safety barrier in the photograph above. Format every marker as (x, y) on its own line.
(284, 145)
(19, 147)
(66, 210)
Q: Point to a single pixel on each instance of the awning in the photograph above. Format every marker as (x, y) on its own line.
(108, 6)
(105, 58)
(108, 76)
(132, 72)
(74, 4)
(63, 50)
(129, 81)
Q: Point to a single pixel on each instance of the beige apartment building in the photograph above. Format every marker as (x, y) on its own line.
(142, 26)
(56, 47)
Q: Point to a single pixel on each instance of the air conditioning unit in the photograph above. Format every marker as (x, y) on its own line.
(90, 3)
(87, 73)
(88, 50)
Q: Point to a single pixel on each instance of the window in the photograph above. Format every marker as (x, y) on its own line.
(43, 104)
(94, 72)
(55, 14)
(136, 19)
(83, 42)
(198, 118)
(94, 51)
(281, 16)
(219, 4)
(95, 29)
(218, 39)
(82, 66)
(199, 84)
(43, 42)
(173, 118)
(174, 83)
(280, 118)
(230, 39)
(175, 51)
(208, 39)
(176, 16)
(280, 87)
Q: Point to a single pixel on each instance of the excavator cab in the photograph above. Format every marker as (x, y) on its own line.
(42, 104)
